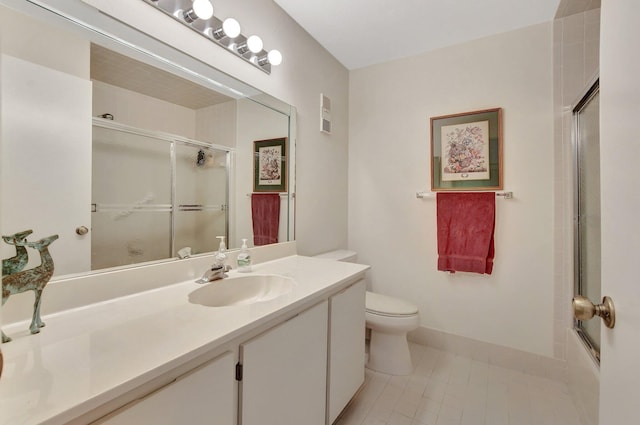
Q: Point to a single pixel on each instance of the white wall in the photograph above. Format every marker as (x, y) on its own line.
(217, 124)
(307, 70)
(48, 46)
(141, 111)
(390, 107)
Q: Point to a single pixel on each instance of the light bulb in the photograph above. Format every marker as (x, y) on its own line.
(231, 28)
(275, 57)
(254, 43)
(203, 9)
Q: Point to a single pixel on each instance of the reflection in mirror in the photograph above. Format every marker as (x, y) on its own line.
(144, 146)
(154, 195)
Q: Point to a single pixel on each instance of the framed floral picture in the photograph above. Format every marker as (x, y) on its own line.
(270, 165)
(466, 151)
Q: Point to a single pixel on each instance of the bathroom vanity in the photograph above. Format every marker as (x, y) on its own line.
(163, 356)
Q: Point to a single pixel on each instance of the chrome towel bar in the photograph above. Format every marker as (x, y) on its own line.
(432, 195)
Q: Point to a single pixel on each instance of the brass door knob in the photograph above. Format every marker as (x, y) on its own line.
(584, 309)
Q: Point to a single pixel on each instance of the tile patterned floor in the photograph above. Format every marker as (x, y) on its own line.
(447, 389)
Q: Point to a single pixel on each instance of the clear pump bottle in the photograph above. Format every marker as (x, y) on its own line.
(244, 258)
(221, 255)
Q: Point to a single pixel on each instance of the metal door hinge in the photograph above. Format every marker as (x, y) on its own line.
(238, 372)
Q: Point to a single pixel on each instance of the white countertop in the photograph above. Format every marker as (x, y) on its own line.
(87, 356)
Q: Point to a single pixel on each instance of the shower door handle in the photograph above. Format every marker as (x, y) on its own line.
(584, 309)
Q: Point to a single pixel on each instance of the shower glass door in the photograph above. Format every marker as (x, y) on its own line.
(155, 195)
(587, 211)
(131, 198)
(201, 197)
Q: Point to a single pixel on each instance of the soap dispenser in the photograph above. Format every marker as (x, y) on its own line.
(221, 255)
(244, 258)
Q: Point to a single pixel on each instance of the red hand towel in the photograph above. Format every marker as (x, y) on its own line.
(265, 209)
(466, 223)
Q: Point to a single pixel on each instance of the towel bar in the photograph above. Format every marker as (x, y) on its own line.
(282, 194)
(432, 195)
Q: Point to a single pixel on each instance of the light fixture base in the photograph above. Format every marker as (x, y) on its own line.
(209, 29)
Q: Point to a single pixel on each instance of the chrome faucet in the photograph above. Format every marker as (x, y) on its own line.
(218, 269)
(214, 273)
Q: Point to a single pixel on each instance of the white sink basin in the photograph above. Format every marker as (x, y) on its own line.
(241, 290)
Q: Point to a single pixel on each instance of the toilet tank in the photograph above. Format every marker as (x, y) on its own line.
(339, 255)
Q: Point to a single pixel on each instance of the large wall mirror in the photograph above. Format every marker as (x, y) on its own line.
(128, 149)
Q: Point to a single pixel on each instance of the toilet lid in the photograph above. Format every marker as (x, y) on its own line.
(389, 306)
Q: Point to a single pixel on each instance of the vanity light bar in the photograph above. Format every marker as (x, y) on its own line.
(223, 33)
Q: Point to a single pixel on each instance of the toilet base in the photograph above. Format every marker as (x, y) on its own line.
(389, 353)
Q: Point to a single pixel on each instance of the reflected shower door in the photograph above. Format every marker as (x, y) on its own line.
(201, 198)
(154, 194)
(131, 192)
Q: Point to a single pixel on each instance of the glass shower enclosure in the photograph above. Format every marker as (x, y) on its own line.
(154, 195)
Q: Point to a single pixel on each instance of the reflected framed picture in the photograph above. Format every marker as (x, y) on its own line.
(270, 165)
(466, 151)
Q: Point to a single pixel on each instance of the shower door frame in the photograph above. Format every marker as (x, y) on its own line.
(174, 140)
(592, 90)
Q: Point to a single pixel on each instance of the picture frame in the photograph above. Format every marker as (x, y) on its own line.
(466, 151)
(270, 165)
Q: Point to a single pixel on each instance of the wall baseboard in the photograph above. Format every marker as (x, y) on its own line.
(510, 358)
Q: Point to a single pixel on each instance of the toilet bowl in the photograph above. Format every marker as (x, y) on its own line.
(389, 320)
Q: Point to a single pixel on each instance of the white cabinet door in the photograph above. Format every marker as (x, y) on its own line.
(203, 396)
(346, 346)
(285, 372)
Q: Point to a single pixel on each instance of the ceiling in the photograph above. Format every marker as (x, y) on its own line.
(122, 71)
(360, 33)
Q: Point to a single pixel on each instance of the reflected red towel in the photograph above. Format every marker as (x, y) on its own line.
(265, 211)
(466, 222)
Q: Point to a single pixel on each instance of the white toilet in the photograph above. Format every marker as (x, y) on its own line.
(389, 320)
